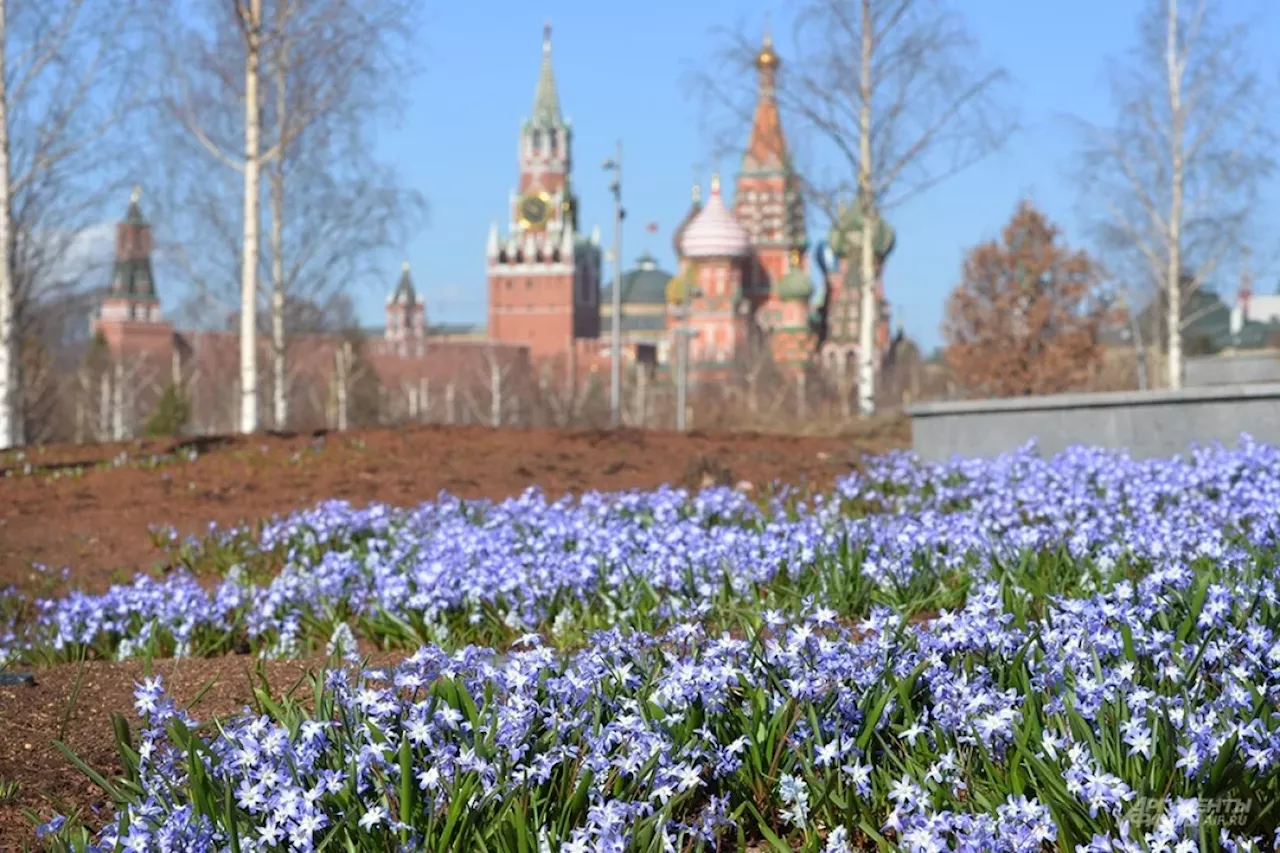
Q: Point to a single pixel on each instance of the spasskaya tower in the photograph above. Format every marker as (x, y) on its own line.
(543, 275)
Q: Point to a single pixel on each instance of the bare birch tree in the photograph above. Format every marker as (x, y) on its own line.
(9, 356)
(327, 66)
(325, 90)
(64, 93)
(203, 51)
(249, 13)
(1176, 181)
(890, 96)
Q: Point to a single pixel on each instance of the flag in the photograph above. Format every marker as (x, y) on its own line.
(653, 228)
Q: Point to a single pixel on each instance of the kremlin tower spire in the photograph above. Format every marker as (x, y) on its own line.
(546, 99)
(406, 315)
(544, 279)
(131, 296)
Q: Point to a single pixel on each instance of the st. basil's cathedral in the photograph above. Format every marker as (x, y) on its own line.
(743, 281)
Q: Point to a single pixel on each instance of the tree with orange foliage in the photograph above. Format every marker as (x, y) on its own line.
(1026, 318)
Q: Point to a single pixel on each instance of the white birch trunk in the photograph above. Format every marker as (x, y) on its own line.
(424, 398)
(9, 395)
(344, 370)
(450, 404)
(104, 404)
(117, 403)
(411, 401)
(331, 402)
(495, 394)
(642, 395)
(82, 398)
(802, 399)
(252, 221)
(279, 389)
(1172, 284)
(867, 314)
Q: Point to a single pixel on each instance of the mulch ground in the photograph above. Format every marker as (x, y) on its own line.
(96, 522)
(73, 703)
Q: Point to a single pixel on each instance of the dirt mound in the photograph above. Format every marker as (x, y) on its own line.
(90, 508)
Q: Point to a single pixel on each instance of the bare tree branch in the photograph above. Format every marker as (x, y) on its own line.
(1171, 190)
(72, 77)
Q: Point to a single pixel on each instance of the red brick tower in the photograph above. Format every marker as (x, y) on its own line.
(129, 317)
(406, 316)
(544, 279)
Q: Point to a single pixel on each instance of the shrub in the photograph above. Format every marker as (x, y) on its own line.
(171, 414)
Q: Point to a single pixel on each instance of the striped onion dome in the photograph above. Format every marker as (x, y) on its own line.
(714, 232)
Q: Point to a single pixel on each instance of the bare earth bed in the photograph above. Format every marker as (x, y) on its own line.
(68, 506)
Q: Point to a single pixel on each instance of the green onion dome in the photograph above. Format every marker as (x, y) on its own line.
(795, 286)
(682, 285)
(844, 236)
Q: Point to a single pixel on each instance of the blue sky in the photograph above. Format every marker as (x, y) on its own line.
(622, 70)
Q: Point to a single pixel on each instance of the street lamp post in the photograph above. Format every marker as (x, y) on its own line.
(615, 380)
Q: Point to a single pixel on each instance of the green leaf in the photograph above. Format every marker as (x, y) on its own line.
(230, 817)
(407, 792)
(98, 778)
(1197, 604)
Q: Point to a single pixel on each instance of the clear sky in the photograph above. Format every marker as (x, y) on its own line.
(622, 70)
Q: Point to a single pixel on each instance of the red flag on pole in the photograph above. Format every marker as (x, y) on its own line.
(653, 228)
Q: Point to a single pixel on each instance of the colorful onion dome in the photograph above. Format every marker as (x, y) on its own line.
(845, 235)
(714, 232)
(795, 286)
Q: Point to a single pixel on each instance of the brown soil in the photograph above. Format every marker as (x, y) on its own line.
(69, 506)
(97, 522)
(74, 703)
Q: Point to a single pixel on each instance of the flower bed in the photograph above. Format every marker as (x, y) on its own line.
(667, 672)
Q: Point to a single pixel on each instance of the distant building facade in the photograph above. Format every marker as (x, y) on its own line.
(407, 363)
(743, 290)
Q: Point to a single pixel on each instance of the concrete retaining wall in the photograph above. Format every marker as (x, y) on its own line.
(1147, 424)
(1242, 369)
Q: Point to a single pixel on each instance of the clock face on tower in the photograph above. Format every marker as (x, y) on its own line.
(533, 210)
